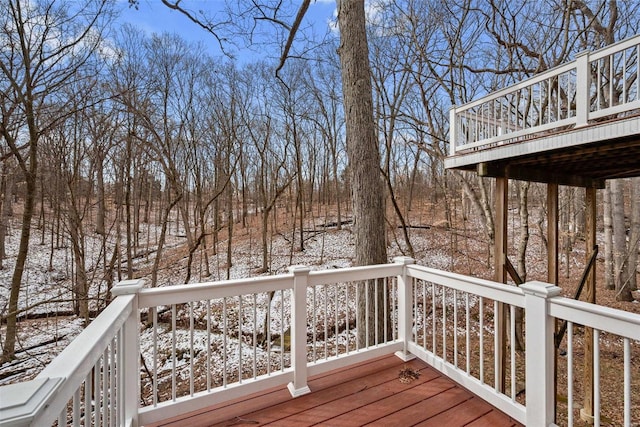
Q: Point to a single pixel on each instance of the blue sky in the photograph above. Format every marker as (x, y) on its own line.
(154, 17)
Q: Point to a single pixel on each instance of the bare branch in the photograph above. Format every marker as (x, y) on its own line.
(211, 28)
(292, 34)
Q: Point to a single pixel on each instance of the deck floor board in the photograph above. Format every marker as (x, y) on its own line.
(369, 393)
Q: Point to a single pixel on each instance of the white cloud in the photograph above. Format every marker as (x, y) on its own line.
(373, 10)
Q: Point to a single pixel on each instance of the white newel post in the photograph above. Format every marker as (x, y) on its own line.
(298, 337)
(128, 359)
(540, 353)
(583, 85)
(405, 303)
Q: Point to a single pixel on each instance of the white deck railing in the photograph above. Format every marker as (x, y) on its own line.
(596, 85)
(157, 353)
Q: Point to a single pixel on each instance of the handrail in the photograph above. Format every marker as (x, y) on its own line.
(552, 72)
(589, 85)
(473, 285)
(179, 294)
(595, 316)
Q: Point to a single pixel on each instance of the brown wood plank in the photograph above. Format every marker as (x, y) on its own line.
(459, 415)
(330, 389)
(369, 392)
(425, 409)
(494, 418)
(256, 401)
(394, 403)
(368, 397)
(234, 408)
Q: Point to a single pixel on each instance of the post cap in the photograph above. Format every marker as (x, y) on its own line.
(298, 269)
(406, 260)
(127, 287)
(541, 289)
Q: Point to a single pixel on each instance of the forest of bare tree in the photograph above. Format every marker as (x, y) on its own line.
(116, 136)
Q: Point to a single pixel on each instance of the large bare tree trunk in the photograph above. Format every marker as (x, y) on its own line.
(364, 156)
(8, 350)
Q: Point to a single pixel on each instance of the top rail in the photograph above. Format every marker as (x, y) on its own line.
(596, 85)
(178, 294)
(485, 288)
(607, 319)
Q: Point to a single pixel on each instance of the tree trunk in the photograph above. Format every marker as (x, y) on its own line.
(364, 157)
(30, 171)
(523, 195)
(229, 230)
(608, 238)
(6, 185)
(621, 280)
(163, 234)
(8, 351)
(483, 208)
(265, 244)
(100, 218)
(81, 288)
(634, 235)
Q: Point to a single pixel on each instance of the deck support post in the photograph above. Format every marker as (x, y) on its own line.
(539, 363)
(299, 385)
(552, 264)
(129, 355)
(552, 233)
(405, 303)
(586, 413)
(500, 256)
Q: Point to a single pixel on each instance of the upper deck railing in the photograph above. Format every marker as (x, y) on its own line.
(157, 353)
(595, 86)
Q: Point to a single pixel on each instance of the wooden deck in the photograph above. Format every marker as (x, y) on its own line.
(370, 393)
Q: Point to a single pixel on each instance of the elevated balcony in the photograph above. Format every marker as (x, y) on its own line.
(156, 354)
(577, 124)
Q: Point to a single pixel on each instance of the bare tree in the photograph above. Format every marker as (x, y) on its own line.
(6, 189)
(363, 153)
(608, 237)
(620, 258)
(634, 233)
(392, 83)
(36, 66)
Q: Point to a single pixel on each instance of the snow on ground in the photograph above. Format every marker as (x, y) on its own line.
(47, 291)
(324, 249)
